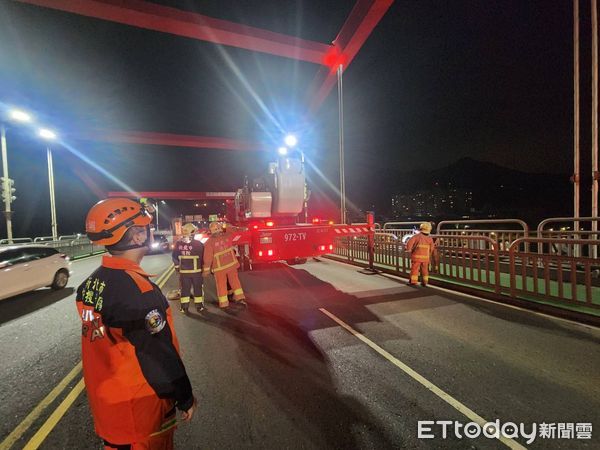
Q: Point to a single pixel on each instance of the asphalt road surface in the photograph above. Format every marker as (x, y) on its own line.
(326, 357)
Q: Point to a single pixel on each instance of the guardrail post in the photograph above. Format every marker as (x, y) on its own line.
(370, 270)
(497, 283)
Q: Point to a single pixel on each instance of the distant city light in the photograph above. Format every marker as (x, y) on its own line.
(47, 134)
(20, 116)
(282, 150)
(290, 140)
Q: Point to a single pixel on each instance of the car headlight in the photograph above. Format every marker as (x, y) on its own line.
(155, 245)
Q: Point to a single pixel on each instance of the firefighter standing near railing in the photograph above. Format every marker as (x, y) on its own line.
(220, 259)
(187, 257)
(421, 247)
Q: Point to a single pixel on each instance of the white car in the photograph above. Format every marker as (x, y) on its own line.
(26, 268)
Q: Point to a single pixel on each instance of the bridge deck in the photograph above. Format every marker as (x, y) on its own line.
(285, 373)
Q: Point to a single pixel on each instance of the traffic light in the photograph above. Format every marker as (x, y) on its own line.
(8, 189)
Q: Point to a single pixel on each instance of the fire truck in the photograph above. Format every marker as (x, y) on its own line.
(268, 208)
(264, 216)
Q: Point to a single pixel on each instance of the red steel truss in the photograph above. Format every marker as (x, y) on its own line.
(155, 17)
(158, 195)
(365, 15)
(166, 139)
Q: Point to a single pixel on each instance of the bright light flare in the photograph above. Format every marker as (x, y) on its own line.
(290, 140)
(46, 133)
(20, 116)
(282, 151)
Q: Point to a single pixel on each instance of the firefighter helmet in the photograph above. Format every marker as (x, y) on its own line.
(188, 229)
(425, 227)
(215, 227)
(109, 219)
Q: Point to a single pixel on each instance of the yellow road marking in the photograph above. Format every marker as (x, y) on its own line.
(472, 415)
(49, 424)
(22, 428)
(164, 274)
(164, 280)
(16, 434)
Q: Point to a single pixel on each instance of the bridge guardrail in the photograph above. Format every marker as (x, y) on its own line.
(480, 262)
(502, 236)
(470, 260)
(568, 234)
(16, 241)
(556, 276)
(74, 246)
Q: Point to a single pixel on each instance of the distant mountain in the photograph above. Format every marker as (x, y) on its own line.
(496, 189)
(469, 173)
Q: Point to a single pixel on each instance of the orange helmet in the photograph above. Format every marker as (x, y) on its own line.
(109, 219)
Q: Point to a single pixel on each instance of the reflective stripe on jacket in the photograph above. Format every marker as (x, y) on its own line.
(188, 256)
(421, 247)
(219, 253)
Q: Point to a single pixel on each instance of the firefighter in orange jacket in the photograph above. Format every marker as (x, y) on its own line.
(421, 247)
(187, 258)
(220, 259)
(134, 376)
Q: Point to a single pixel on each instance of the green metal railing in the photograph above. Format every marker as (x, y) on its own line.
(479, 262)
(74, 246)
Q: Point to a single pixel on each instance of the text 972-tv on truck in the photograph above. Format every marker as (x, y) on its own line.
(269, 209)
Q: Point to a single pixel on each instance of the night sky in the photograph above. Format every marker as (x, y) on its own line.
(436, 81)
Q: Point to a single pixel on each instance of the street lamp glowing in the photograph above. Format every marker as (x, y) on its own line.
(47, 134)
(20, 116)
(290, 140)
(282, 151)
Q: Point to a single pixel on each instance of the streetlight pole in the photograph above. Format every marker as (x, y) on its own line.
(7, 187)
(50, 136)
(341, 133)
(156, 206)
(52, 196)
(306, 191)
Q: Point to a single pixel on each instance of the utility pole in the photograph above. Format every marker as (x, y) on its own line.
(341, 133)
(576, 129)
(576, 176)
(594, 123)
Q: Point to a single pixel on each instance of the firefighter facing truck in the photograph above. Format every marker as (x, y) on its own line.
(187, 257)
(221, 260)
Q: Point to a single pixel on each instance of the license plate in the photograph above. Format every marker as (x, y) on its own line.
(293, 237)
